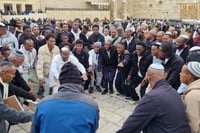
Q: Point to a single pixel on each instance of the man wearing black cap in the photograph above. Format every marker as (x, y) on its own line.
(12, 27)
(67, 111)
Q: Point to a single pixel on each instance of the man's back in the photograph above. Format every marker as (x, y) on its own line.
(67, 111)
(160, 111)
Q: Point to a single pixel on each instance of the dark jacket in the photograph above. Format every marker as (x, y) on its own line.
(132, 45)
(10, 114)
(83, 58)
(32, 37)
(104, 59)
(185, 53)
(68, 110)
(20, 82)
(160, 111)
(126, 61)
(173, 68)
(145, 61)
(96, 38)
(19, 92)
(82, 37)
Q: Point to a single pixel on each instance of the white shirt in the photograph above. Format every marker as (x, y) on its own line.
(93, 58)
(138, 64)
(57, 64)
(30, 59)
(178, 52)
(5, 89)
(129, 41)
(76, 35)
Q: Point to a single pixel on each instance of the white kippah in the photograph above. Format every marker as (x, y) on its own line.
(195, 48)
(64, 49)
(99, 44)
(157, 66)
(168, 33)
(184, 36)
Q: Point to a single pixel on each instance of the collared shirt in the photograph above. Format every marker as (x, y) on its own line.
(178, 52)
(138, 64)
(129, 41)
(93, 58)
(30, 59)
(76, 35)
(5, 89)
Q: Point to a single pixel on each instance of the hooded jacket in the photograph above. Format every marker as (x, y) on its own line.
(191, 97)
(9, 40)
(67, 111)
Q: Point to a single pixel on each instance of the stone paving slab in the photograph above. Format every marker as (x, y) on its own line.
(114, 110)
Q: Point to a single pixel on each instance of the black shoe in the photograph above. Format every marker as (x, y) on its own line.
(98, 89)
(91, 90)
(111, 91)
(104, 92)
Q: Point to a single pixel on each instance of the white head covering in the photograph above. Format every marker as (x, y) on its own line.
(157, 66)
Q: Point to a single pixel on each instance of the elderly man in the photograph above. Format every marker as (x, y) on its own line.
(156, 112)
(190, 75)
(7, 39)
(68, 110)
(57, 63)
(7, 72)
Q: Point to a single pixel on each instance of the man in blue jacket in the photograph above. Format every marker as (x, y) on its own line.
(160, 111)
(67, 111)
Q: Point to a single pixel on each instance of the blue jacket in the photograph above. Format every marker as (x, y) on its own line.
(67, 111)
(159, 111)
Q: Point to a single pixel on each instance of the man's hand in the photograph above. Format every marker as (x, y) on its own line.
(90, 69)
(31, 85)
(26, 108)
(120, 65)
(129, 77)
(101, 74)
(84, 76)
(126, 52)
(144, 81)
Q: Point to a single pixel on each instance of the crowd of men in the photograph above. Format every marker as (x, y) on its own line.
(52, 59)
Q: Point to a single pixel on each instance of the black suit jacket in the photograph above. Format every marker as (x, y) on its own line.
(173, 68)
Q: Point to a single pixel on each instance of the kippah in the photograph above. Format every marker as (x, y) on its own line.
(194, 68)
(195, 48)
(64, 49)
(98, 44)
(157, 66)
(184, 36)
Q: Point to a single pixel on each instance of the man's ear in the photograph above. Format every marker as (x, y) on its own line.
(165, 74)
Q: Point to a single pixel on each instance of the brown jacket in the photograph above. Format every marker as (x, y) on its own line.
(191, 99)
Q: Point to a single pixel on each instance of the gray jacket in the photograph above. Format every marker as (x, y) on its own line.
(9, 114)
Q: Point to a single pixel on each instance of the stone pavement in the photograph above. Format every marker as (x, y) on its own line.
(114, 110)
